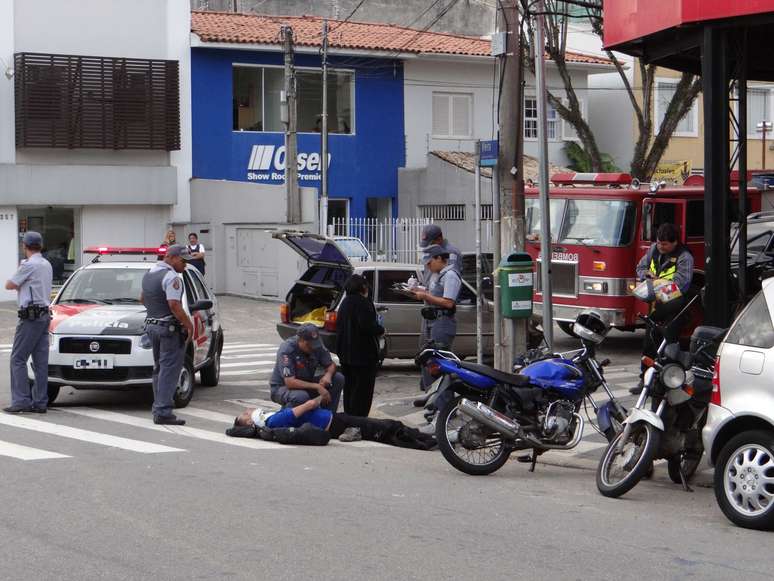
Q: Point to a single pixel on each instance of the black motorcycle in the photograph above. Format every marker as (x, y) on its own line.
(667, 420)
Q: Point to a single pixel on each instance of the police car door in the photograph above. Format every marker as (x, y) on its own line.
(194, 291)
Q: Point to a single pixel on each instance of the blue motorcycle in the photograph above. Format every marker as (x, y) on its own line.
(484, 414)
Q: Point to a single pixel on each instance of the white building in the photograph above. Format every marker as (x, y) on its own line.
(95, 131)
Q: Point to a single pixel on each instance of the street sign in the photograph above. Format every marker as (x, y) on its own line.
(488, 154)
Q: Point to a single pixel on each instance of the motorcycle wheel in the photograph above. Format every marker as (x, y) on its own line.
(468, 445)
(619, 472)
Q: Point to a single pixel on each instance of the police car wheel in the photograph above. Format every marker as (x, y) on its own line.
(185, 385)
(53, 393)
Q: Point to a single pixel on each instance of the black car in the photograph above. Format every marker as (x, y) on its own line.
(760, 251)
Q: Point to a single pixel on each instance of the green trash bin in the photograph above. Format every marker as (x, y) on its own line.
(516, 277)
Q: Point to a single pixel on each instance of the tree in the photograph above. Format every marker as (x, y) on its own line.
(648, 149)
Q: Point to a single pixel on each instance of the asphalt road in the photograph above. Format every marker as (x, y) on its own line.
(113, 497)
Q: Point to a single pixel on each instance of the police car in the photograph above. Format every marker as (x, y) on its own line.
(97, 336)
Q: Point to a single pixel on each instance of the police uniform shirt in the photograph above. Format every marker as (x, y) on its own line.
(446, 283)
(292, 362)
(171, 283)
(34, 278)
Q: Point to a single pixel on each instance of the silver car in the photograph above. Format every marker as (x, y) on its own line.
(315, 297)
(739, 433)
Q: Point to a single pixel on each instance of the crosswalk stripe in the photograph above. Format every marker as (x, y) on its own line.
(261, 374)
(267, 356)
(228, 346)
(206, 415)
(247, 364)
(86, 435)
(26, 453)
(196, 433)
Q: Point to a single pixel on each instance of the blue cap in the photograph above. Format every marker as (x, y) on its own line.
(309, 332)
(32, 238)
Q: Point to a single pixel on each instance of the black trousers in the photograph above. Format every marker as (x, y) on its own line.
(664, 314)
(358, 388)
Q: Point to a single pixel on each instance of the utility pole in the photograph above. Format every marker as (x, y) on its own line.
(288, 115)
(324, 135)
(479, 296)
(510, 168)
(545, 218)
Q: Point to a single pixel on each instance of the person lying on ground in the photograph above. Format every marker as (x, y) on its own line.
(338, 425)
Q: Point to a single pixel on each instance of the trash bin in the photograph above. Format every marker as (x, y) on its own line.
(515, 275)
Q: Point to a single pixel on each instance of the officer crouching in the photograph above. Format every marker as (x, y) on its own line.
(169, 328)
(32, 283)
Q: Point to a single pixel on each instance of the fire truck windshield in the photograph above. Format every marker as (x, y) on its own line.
(587, 222)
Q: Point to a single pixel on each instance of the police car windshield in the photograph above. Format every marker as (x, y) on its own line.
(104, 285)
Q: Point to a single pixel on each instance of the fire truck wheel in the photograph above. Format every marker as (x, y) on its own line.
(566, 327)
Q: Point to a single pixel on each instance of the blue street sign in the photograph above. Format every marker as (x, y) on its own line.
(488, 154)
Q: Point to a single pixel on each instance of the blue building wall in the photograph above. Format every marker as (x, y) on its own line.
(363, 165)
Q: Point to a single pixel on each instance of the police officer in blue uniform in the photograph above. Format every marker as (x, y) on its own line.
(432, 235)
(439, 324)
(32, 283)
(293, 380)
(169, 328)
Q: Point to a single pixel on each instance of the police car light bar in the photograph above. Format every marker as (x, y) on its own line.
(591, 179)
(110, 250)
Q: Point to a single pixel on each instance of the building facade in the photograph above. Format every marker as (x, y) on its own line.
(94, 128)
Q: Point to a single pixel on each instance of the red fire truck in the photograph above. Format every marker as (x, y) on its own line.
(601, 225)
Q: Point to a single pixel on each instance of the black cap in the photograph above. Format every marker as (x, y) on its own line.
(429, 233)
(309, 332)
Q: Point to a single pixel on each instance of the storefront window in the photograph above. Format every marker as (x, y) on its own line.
(60, 244)
(257, 92)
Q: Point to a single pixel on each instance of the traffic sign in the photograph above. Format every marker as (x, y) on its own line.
(488, 153)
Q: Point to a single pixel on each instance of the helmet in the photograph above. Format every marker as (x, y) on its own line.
(590, 326)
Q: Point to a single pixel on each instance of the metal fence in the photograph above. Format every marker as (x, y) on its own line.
(389, 240)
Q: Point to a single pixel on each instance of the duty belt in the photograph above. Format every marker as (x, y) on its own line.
(33, 312)
(164, 321)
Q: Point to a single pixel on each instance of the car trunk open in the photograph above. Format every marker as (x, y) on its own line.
(320, 288)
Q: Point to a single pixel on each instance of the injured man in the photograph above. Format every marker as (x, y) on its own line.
(342, 426)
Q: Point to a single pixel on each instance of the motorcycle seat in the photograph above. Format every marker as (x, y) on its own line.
(500, 376)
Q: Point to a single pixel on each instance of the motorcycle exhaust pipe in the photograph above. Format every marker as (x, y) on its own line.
(490, 418)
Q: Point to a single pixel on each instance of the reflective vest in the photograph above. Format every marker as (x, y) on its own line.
(668, 272)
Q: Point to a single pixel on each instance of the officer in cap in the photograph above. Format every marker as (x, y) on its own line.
(169, 328)
(32, 283)
(438, 322)
(433, 236)
(293, 380)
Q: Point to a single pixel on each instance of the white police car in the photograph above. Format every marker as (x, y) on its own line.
(97, 336)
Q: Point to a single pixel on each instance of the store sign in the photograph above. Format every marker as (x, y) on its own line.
(266, 165)
(675, 172)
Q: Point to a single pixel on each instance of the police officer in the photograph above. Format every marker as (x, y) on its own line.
(433, 236)
(667, 259)
(169, 328)
(32, 282)
(293, 380)
(438, 322)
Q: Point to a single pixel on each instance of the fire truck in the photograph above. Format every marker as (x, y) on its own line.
(601, 225)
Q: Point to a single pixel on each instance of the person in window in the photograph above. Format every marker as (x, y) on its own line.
(196, 251)
(357, 346)
(667, 259)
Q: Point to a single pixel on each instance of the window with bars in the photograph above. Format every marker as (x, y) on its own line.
(531, 119)
(486, 211)
(96, 102)
(443, 212)
(453, 115)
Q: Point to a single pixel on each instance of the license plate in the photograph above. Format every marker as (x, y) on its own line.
(102, 362)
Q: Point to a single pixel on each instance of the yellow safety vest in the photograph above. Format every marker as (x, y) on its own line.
(668, 273)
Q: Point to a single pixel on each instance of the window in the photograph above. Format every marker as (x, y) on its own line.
(758, 238)
(444, 212)
(532, 214)
(68, 101)
(568, 131)
(754, 328)
(694, 219)
(452, 115)
(598, 222)
(758, 110)
(257, 92)
(688, 125)
(190, 297)
(201, 290)
(531, 120)
(387, 278)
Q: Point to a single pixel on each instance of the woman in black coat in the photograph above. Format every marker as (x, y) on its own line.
(357, 346)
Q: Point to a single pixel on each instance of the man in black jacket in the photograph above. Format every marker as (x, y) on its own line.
(357, 345)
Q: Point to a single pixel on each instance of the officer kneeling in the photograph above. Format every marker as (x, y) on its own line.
(32, 282)
(169, 328)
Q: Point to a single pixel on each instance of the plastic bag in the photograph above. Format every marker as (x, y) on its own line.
(660, 290)
(317, 317)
